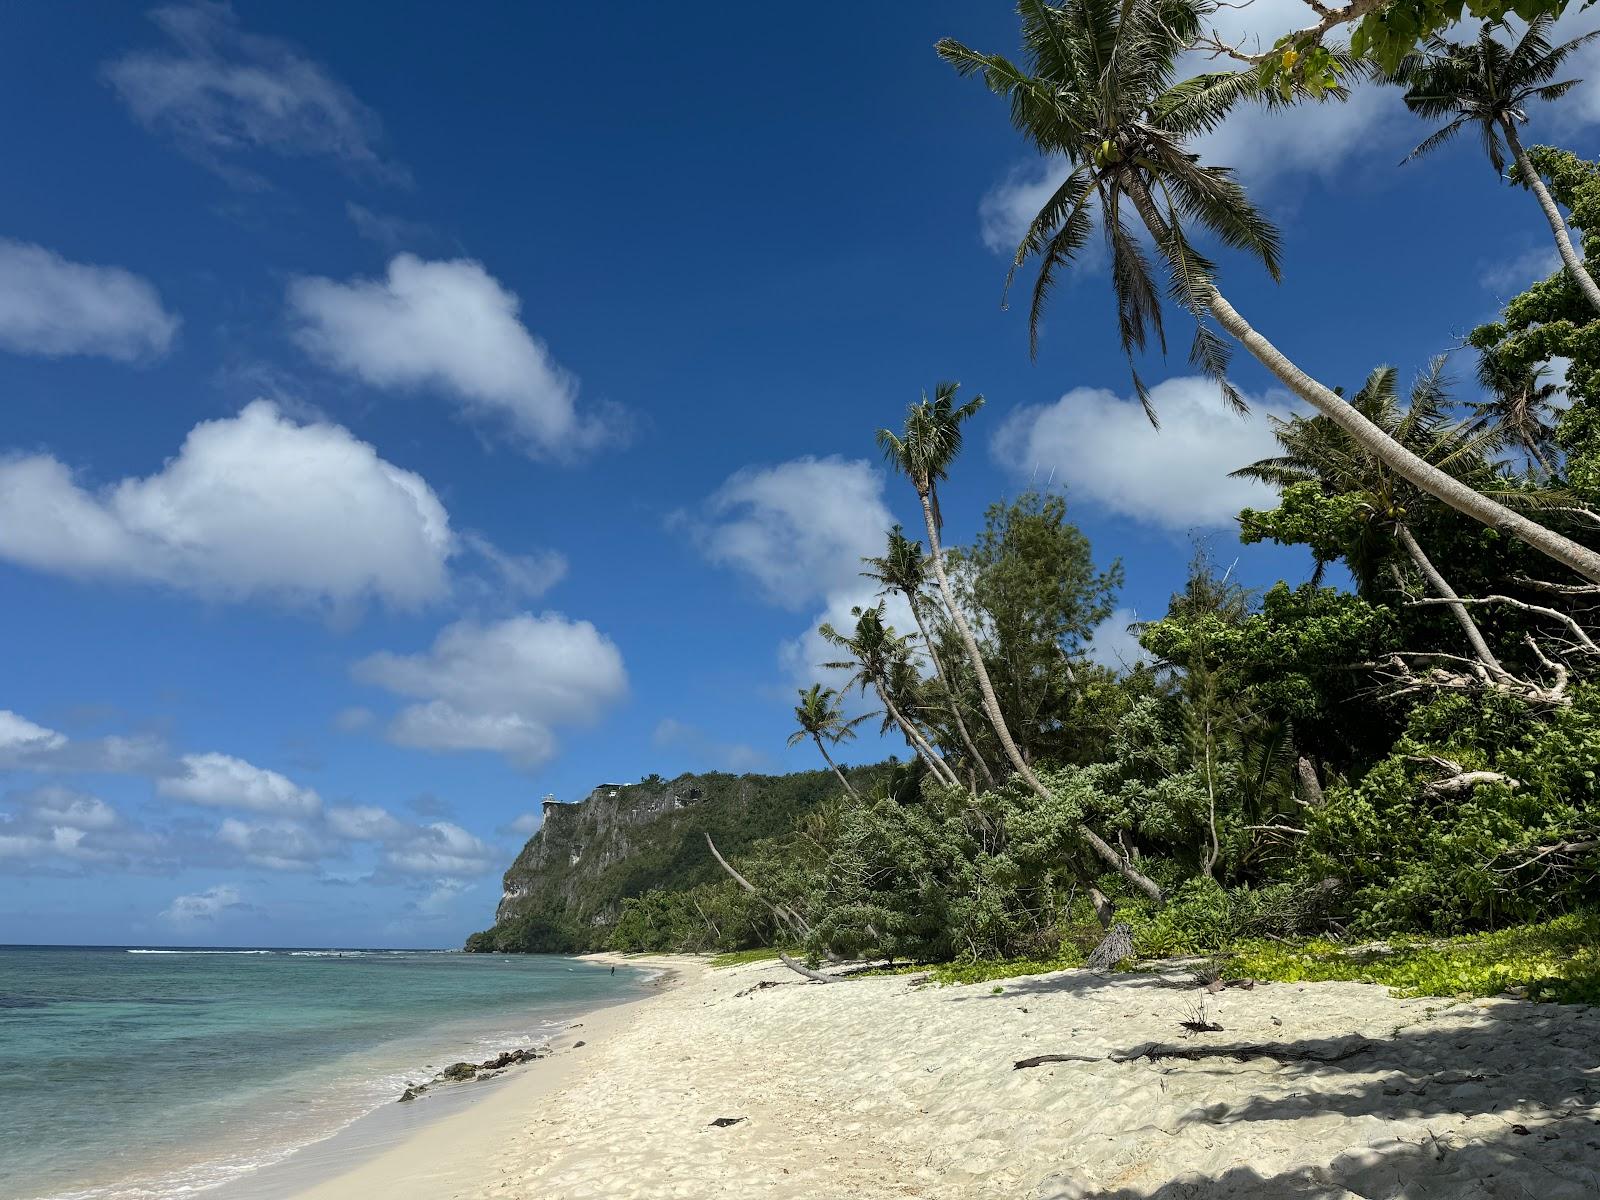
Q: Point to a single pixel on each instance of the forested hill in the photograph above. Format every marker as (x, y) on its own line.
(566, 889)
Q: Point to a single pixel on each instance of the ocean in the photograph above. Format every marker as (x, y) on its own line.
(138, 1073)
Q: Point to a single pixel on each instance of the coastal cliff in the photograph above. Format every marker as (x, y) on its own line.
(565, 889)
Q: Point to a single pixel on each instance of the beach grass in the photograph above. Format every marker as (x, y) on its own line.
(737, 958)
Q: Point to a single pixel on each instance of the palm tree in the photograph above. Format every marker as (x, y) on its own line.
(1520, 407)
(903, 568)
(1316, 451)
(822, 720)
(874, 649)
(1100, 89)
(923, 453)
(1489, 84)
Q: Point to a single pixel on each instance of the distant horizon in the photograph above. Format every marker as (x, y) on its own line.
(179, 948)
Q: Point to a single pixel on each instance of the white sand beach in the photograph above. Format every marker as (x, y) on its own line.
(884, 1087)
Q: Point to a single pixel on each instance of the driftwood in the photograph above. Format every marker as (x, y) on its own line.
(760, 985)
(1154, 1051)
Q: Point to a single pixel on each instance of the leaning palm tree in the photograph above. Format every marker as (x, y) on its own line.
(1520, 407)
(903, 568)
(822, 720)
(1100, 88)
(874, 650)
(1489, 84)
(1316, 451)
(923, 452)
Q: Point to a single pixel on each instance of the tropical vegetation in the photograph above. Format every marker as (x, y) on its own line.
(1404, 746)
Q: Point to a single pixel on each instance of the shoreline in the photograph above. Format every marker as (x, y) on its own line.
(387, 1151)
(748, 1082)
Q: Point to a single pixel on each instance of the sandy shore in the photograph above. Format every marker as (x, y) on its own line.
(883, 1088)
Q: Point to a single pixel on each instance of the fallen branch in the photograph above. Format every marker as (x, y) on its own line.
(801, 968)
(786, 915)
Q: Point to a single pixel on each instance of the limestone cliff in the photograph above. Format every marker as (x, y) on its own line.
(564, 890)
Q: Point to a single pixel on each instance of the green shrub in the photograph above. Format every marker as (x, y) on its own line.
(1558, 960)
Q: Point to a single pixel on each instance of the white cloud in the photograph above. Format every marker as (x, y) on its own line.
(366, 823)
(21, 739)
(1311, 138)
(524, 576)
(443, 849)
(253, 505)
(222, 781)
(1104, 450)
(798, 529)
(54, 829)
(1114, 644)
(25, 745)
(448, 325)
(523, 823)
(221, 92)
(802, 656)
(437, 902)
(276, 845)
(53, 307)
(1008, 208)
(501, 686)
(1517, 273)
(203, 907)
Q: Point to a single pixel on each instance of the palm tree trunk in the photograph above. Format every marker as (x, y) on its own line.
(828, 758)
(1441, 588)
(928, 754)
(991, 708)
(944, 682)
(1441, 486)
(1558, 225)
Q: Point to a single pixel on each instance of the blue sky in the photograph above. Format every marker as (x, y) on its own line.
(410, 419)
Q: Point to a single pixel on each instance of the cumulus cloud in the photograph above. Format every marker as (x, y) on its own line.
(802, 656)
(523, 824)
(443, 849)
(439, 897)
(449, 326)
(523, 576)
(25, 745)
(53, 307)
(366, 823)
(1114, 644)
(56, 830)
(222, 781)
(501, 686)
(220, 92)
(798, 529)
(21, 739)
(253, 505)
(276, 845)
(203, 908)
(1103, 448)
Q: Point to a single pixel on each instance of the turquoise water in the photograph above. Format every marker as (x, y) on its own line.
(135, 1074)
